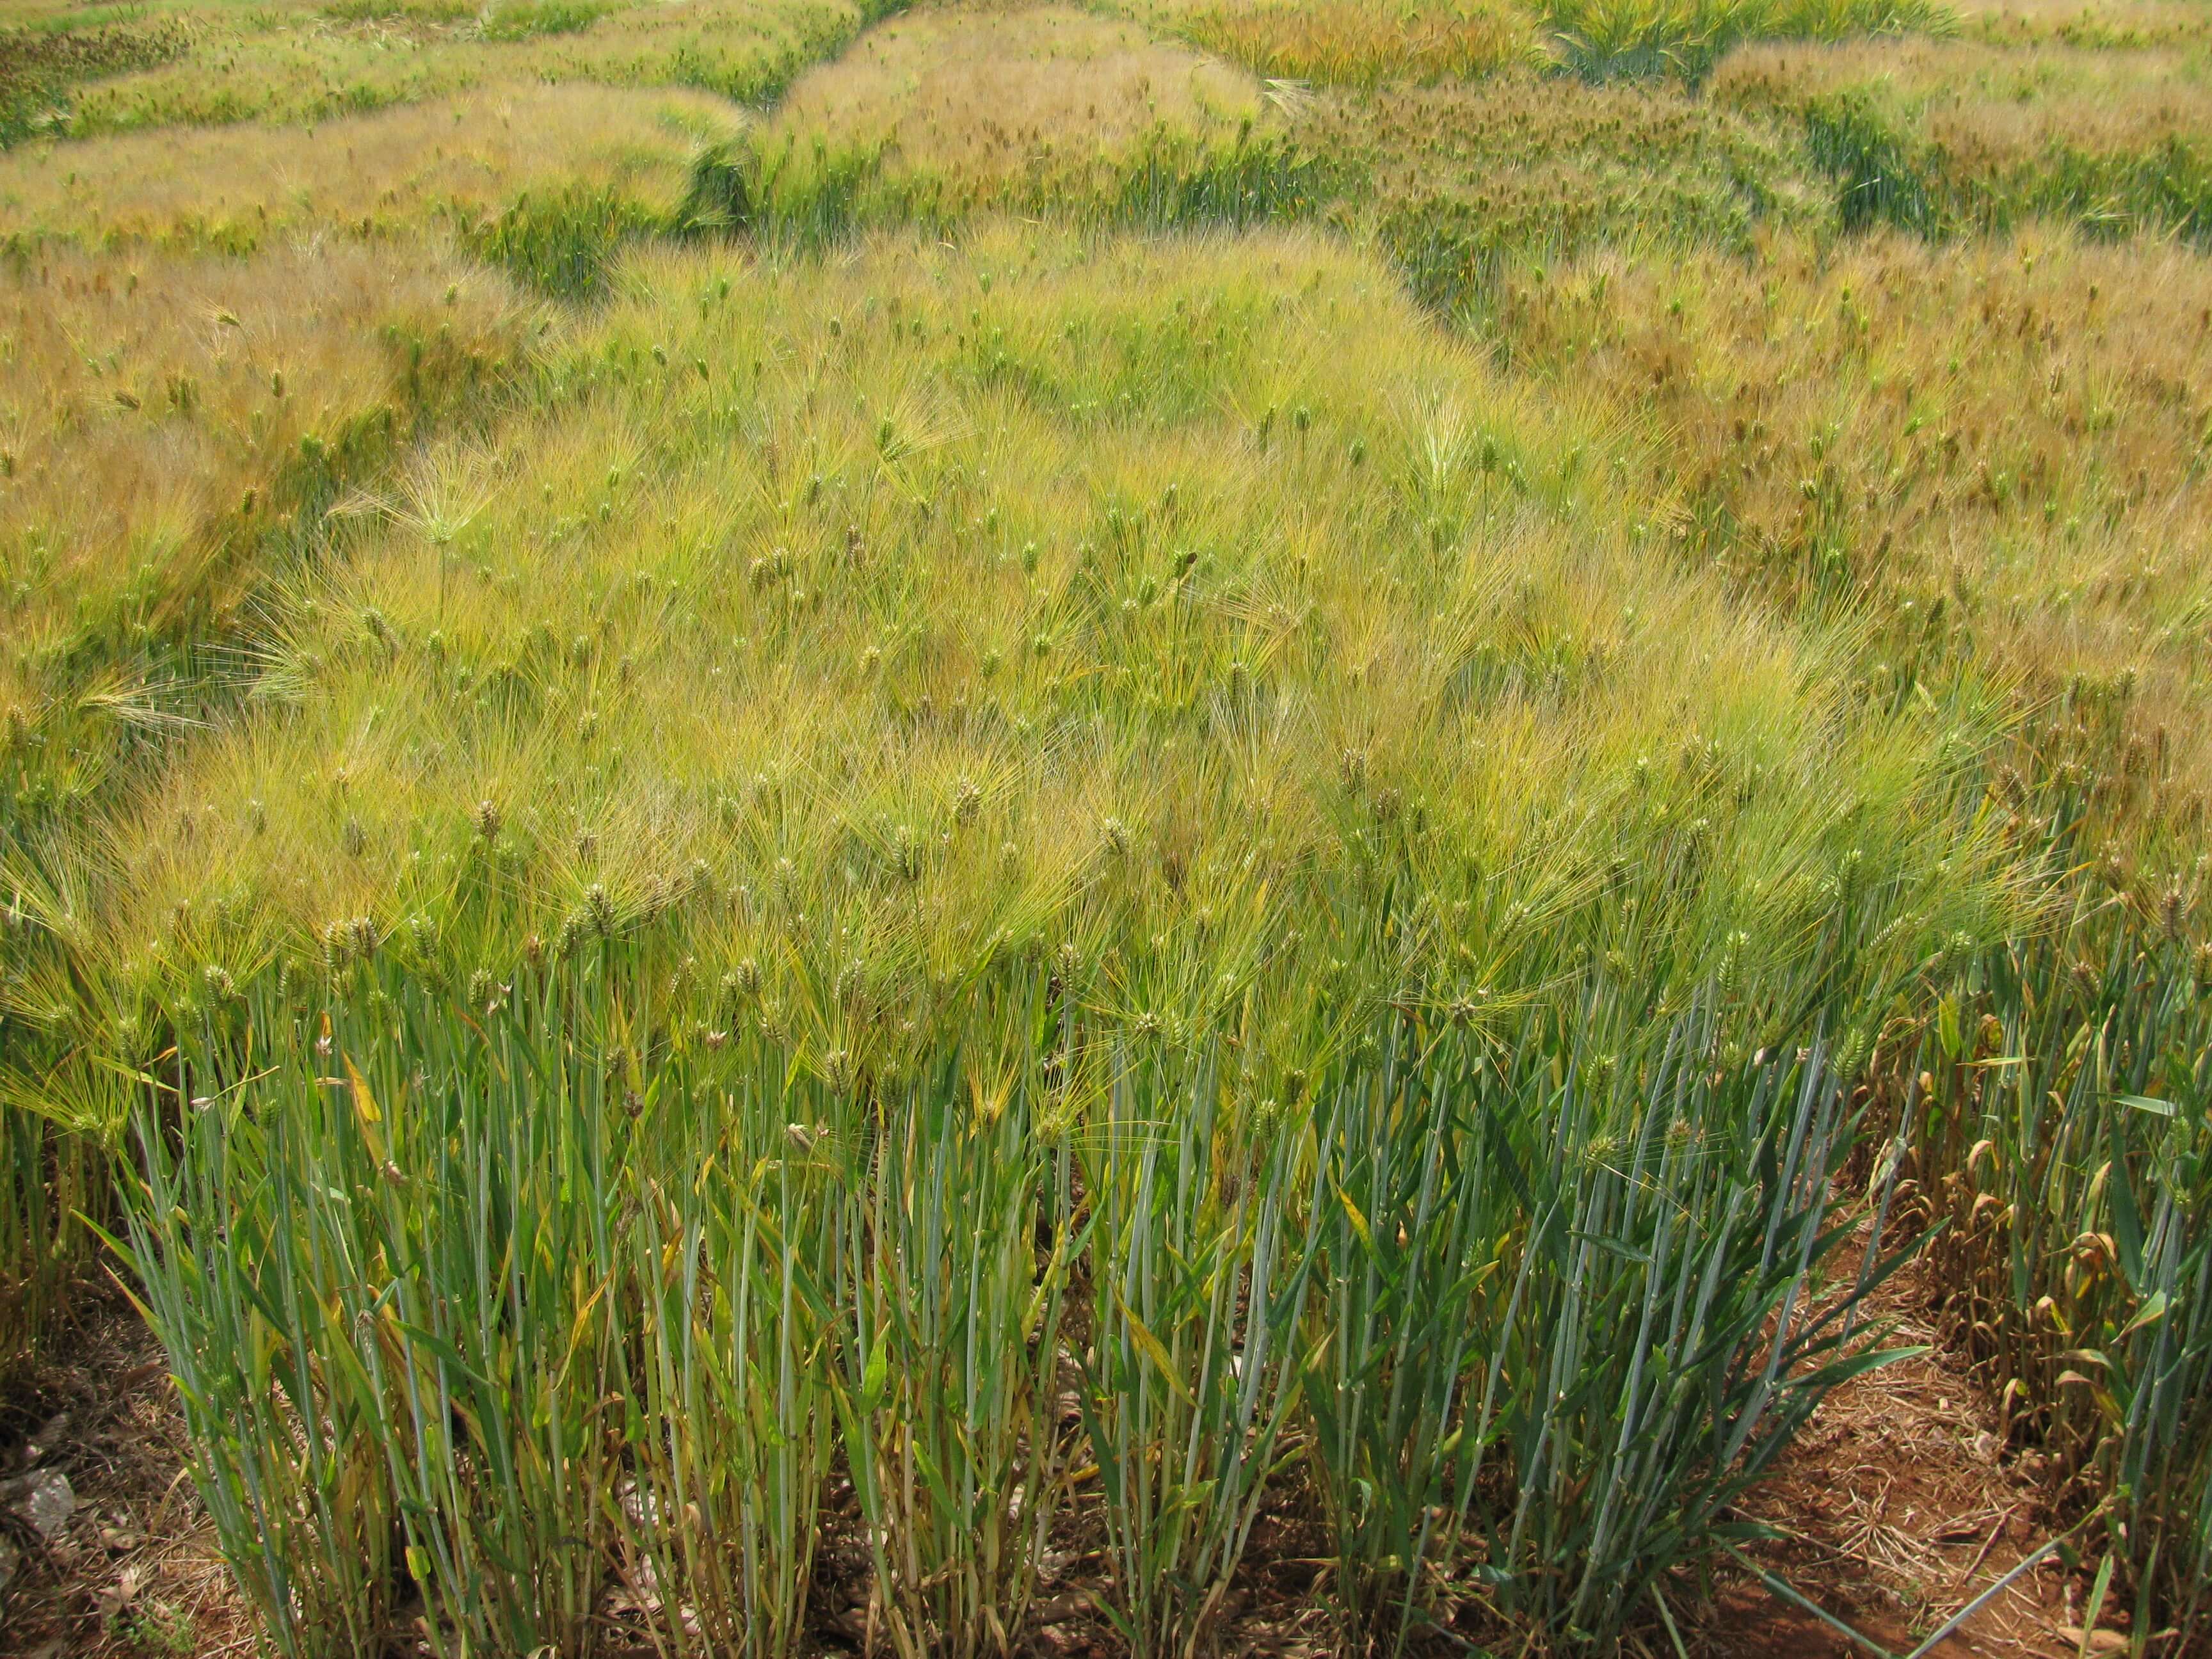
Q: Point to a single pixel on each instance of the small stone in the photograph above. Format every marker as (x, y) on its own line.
(2100, 1641)
(43, 1497)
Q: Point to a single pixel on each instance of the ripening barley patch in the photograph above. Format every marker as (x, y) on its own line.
(937, 116)
(1940, 137)
(1334, 42)
(307, 66)
(1090, 814)
(908, 816)
(390, 175)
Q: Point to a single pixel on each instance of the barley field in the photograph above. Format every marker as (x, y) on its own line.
(1158, 830)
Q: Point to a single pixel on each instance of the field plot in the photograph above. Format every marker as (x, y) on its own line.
(1176, 829)
(221, 63)
(1956, 135)
(458, 165)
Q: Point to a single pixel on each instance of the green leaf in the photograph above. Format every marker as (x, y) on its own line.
(1614, 1247)
(1858, 1365)
(875, 1378)
(2127, 1217)
(2150, 1313)
(2148, 1103)
(1351, 1213)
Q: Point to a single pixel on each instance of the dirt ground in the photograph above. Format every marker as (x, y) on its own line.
(134, 1571)
(1901, 1502)
(1905, 1504)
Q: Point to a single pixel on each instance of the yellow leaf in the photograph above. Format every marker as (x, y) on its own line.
(365, 1108)
(1154, 1351)
(1358, 1221)
(363, 1102)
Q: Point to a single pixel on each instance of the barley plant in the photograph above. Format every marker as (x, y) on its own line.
(2059, 1147)
(827, 822)
(952, 1421)
(1189, 1380)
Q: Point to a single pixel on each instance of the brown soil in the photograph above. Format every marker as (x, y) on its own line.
(134, 1571)
(1904, 1505)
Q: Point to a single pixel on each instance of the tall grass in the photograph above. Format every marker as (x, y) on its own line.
(804, 200)
(394, 177)
(1466, 187)
(40, 68)
(303, 67)
(1573, 1304)
(1189, 1376)
(941, 117)
(53, 1180)
(730, 1426)
(967, 1236)
(2006, 489)
(2056, 1087)
(156, 490)
(967, 1076)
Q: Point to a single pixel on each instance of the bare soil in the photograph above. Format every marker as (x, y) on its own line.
(1905, 1504)
(134, 1571)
